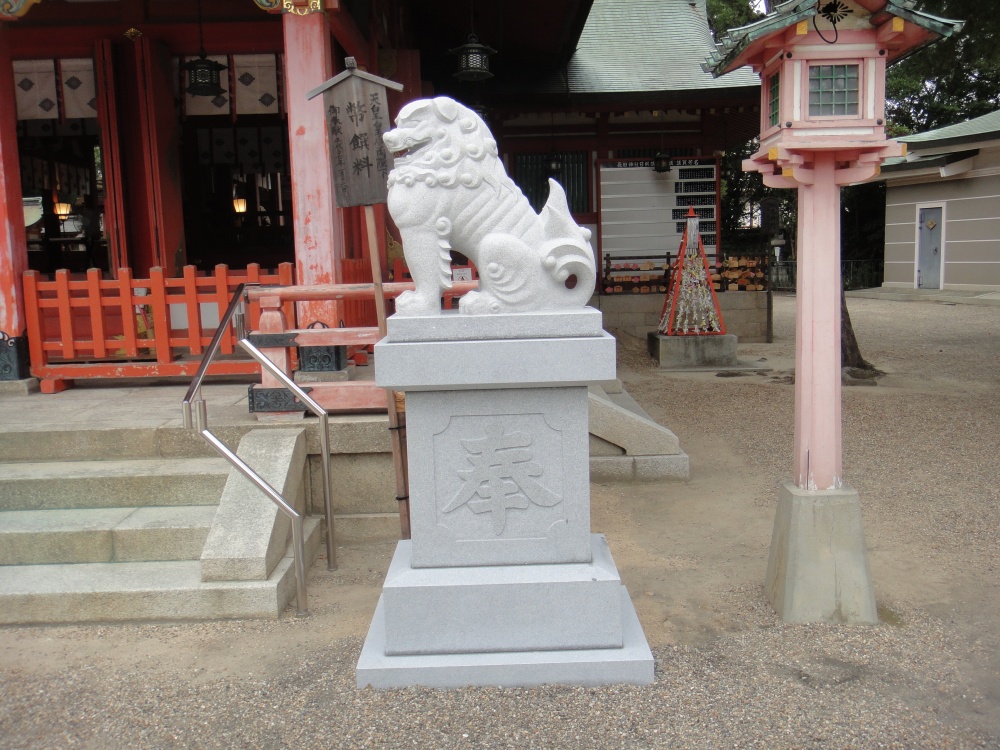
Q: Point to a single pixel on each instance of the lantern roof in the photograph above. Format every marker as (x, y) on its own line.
(747, 45)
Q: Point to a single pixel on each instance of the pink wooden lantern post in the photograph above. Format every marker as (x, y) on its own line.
(822, 68)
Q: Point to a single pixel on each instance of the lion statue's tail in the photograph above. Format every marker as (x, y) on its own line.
(566, 251)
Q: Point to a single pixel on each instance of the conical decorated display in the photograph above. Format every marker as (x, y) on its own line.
(691, 307)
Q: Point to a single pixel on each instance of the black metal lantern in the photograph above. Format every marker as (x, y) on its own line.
(661, 162)
(203, 74)
(473, 60)
(554, 165)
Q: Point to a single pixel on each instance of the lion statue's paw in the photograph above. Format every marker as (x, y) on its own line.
(413, 303)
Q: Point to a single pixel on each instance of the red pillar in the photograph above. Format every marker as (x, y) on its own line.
(818, 454)
(13, 242)
(318, 225)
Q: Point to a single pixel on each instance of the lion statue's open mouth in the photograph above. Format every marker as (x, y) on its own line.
(407, 151)
(448, 190)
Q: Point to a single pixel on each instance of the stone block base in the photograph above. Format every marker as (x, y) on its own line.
(818, 567)
(510, 626)
(630, 665)
(502, 608)
(679, 352)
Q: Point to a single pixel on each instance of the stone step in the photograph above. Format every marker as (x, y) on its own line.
(121, 591)
(98, 443)
(357, 433)
(111, 484)
(104, 534)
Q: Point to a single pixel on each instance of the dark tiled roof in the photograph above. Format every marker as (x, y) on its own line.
(631, 46)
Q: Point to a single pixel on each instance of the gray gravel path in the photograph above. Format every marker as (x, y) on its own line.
(921, 447)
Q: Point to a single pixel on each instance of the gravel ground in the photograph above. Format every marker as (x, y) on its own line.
(921, 449)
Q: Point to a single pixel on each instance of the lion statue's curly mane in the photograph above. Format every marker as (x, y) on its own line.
(448, 189)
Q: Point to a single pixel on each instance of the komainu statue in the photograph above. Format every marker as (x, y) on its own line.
(448, 190)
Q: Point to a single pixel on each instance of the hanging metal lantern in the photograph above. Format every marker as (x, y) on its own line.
(473, 60)
(555, 165)
(203, 76)
(661, 162)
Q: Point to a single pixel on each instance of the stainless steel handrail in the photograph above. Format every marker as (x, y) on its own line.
(235, 313)
(237, 306)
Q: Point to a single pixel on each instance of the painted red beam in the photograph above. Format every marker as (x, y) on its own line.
(331, 336)
(237, 38)
(319, 292)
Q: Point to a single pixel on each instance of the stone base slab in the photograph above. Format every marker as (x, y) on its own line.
(492, 364)
(679, 352)
(640, 468)
(502, 608)
(818, 567)
(20, 387)
(451, 325)
(632, 664)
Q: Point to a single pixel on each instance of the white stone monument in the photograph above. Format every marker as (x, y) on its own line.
(502, 582)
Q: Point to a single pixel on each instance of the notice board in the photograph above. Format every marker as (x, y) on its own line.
(642, 212)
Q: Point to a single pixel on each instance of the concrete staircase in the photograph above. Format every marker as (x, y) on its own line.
(118, 532)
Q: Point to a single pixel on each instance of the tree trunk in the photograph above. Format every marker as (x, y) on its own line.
(850, 352)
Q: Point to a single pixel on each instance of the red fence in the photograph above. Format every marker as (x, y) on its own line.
(88, 327)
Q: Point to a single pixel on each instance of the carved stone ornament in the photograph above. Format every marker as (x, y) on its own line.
(449, 190)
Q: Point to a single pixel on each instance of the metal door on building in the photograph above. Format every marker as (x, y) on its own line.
(929, 247)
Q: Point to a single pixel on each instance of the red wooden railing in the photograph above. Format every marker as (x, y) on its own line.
(361, 312)
(88, 327)
(352, 395)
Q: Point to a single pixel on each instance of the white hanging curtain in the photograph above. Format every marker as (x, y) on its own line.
(76, 77)
(35, 90)
(256, 88)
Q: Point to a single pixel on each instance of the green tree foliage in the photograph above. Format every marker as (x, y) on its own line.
(953, 80)
(728, 14)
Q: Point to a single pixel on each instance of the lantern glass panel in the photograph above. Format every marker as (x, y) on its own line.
(774, 88)
(833, 90)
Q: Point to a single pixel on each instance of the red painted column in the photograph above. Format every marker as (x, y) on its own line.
(318, 225)
(13, 242)
(818, 455)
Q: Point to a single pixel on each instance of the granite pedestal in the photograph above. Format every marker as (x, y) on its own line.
(502, 582)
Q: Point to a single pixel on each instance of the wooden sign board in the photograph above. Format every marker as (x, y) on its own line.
(357, 114)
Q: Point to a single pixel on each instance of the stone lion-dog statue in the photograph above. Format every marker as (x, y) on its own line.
(449, 190)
